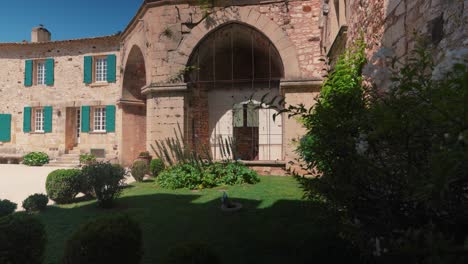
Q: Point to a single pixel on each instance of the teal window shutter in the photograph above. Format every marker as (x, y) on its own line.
(85, 111)
(111, 68)
(88, 69)
(28, 73)
(110, 118)
(48, 119)
(27, 119)
(5, 127)
(49, 63)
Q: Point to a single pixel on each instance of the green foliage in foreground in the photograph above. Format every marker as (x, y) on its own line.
(114, 239)
(7, 207)
(394, 161)
(22, 239)
(274, 226)
(199, 176)
(198, 253)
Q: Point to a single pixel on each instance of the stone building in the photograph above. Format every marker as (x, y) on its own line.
(391, 28)
(205, 70)
(177, 64)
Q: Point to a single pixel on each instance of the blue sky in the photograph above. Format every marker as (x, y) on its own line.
(65, 19)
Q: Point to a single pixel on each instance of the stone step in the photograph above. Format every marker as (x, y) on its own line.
(68, 158)
(65, 162)
(65, 165)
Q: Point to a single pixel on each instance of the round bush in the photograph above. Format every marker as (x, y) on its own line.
(63, 185)
(194, 253)
(35, 159)
(35, 203)
(115, 239)
(22, 239)
(104, 181)
(6, 207)
(139, 170)
(156, 167)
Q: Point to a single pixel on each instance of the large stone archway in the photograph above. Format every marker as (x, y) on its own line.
(249, 17)
(133, 105)
(232, 69)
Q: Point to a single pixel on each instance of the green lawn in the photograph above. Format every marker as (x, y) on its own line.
(275, 225)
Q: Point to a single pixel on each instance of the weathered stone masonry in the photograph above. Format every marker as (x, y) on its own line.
(68, 91)
(281, 46)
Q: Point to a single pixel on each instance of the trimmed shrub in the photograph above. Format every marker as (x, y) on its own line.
(6, 207)
(156, 167)
(104, 180)
(63, 185)
(195, 176)
(139, 170)
(22, 239)
(115, 239)
(35, 203)
(35, 159)
(194, 253)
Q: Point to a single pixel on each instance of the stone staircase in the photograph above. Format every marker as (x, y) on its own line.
(69, 160)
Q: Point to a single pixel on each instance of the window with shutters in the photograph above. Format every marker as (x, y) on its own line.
(40, 73)
(100, 69)
(99, 117)
(38, 120)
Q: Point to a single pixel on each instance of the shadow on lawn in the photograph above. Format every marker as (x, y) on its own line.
(286, 232)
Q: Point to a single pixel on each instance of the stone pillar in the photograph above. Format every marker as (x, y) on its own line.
(296, 92)
(166, 104)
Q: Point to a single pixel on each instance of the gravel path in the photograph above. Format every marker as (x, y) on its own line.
(17, 182)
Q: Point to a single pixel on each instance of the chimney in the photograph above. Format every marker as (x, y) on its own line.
(40, 34)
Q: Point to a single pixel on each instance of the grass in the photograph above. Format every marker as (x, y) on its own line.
(274, 226)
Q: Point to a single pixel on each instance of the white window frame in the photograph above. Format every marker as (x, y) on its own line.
(99, 119)
(100, 69)
(40, 73)
(39, 120)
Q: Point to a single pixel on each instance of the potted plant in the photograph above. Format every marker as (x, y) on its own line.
(144, 156)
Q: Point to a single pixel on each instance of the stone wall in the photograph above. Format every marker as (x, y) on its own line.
(168, 33)
(396, 24)
(68, 90)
